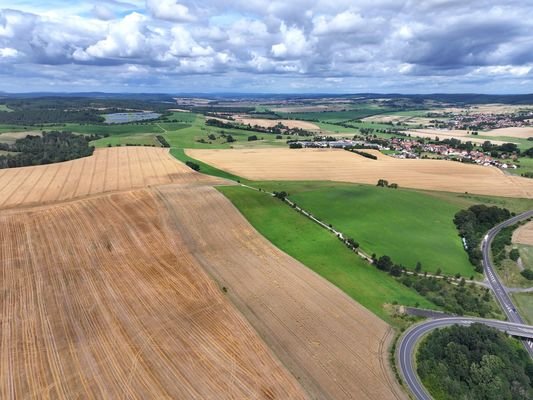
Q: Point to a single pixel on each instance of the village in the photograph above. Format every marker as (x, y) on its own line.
(409, 148)
(477, 122)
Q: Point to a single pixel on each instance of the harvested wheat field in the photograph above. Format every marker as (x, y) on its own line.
(524, 234)
(336, 347)
(343, 166)
(514, 132)
(270, 123)
(453, 134)
(109, 169)
(102, 299)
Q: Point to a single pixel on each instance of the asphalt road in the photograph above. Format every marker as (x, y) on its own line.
(409, 340)
(499, 291)
(407, 343)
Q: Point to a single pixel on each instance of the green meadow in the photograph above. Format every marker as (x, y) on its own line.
(406, 225)
(322, 252)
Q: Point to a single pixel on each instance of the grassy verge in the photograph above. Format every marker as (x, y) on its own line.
(526, 255)
(206, 168)
(524, 302)
(322, 252)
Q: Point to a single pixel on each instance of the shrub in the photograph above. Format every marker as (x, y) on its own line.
(528, 274)
(192, 165)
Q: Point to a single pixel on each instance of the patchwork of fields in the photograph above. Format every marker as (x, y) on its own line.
(128, 274)
(117, 294)
(343, 166)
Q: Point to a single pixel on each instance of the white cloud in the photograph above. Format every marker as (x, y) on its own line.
(8, 52)
(505, 70)
(293, 45)
(380, 42)
(183, 45)
(169, 10)
(101, 11)
(124, 39)
(345, 22)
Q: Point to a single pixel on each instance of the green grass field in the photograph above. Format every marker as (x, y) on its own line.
(322, 252)
(3, 107)
(524, 302)
(526, 165)
(337, 116)
(406, 225)
(523, 144)
(206, 168)
(14, 128)
(510, 275)
(526, 255)
(409, 113)
(189, 136)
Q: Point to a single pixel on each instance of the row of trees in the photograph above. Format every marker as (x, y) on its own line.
(473, 223)
(457, 299)
(49, 148)
(361, 153)
(475, 362)
(161, 139)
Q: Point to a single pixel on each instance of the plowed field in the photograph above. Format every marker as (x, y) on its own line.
(343, 166)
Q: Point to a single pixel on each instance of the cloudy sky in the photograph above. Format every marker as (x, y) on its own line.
(328, 46)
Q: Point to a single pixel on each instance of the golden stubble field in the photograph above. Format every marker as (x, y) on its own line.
(270, 123)
(336, 347)
(110, 169)
(120, 294)
(460, 135)
(343, 166)
(524, 234)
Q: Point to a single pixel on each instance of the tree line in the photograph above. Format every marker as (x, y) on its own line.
(473, 224)
(51, 147)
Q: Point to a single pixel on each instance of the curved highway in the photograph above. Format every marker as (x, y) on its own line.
(494, 281)
(408, 341)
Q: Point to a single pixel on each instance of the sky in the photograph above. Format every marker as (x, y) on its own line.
(276, 46)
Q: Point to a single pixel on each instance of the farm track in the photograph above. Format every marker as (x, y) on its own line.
(343, 166)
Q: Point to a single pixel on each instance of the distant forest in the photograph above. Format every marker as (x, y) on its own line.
(51, 147)
(60, 110)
